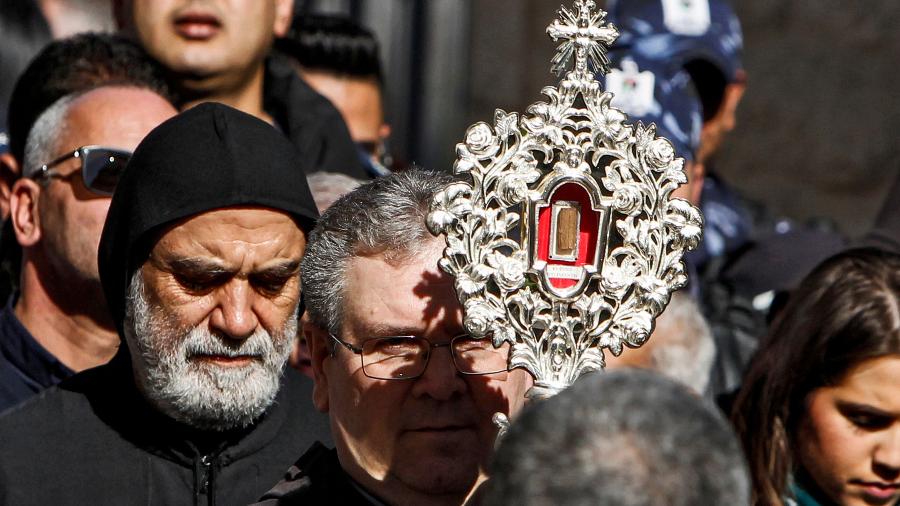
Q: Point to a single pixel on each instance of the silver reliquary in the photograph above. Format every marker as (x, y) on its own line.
(563, 239)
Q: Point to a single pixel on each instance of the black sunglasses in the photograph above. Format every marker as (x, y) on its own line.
(100, 167)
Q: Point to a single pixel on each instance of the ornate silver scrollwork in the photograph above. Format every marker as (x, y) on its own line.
(572, 179)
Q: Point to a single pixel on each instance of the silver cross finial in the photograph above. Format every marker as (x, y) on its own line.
(584, 35)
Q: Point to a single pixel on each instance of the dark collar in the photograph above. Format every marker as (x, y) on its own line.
(35, 365)
(318, 478)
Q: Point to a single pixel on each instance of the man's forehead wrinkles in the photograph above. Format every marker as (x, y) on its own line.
(266, 266)
(408, 297)
(371, 317)
(232, 241)
(187, 243)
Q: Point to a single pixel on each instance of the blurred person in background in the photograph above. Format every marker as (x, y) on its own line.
(25, 32)
(27, 26)
(219, 51)
(102, 94)
(746, 257)
(340, 59)
(70, 17)
(819, 411)
(619, 438)
(681, 346)
(661, 93)
(740, 238)
(704, 38)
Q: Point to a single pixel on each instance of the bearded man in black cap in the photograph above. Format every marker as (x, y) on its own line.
(199, 260)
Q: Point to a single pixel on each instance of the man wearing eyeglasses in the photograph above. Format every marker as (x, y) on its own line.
(58, 324)
(409, 394)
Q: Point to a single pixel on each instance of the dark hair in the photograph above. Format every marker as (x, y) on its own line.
(844, 313)
(76, 65)
(710, 84)
(25, 32)
(628, 437)
(332, 44)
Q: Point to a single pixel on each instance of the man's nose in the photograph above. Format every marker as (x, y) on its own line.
(234, 316)
(440, 381)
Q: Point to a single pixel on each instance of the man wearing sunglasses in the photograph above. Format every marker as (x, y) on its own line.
(72, 154)
(409, 394)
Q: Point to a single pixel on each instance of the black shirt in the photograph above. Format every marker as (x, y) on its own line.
(26, 368)
(93, 439)
(317, 478)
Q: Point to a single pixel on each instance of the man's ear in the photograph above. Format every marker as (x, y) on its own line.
(9, 173)
(320, 350)
(284, 14)
(23, 212)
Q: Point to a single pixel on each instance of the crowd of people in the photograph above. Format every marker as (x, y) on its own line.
(221, 291)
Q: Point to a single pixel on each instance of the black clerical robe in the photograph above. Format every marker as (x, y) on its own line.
(94, 440)
(316, 479)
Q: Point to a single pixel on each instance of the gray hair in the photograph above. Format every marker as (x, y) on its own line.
(41, 144)
(383, 217)
(684, 349)
(627, 438)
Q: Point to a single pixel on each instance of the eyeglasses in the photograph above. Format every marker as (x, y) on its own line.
(101, 167)
(406, 357)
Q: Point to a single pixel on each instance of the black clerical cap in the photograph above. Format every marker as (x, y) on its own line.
(209, 157)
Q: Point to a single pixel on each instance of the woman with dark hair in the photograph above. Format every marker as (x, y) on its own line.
(819, 412)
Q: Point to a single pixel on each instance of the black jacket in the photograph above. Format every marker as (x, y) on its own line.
(93, 440)
(310, 121)
(26, 368)
(317, 478)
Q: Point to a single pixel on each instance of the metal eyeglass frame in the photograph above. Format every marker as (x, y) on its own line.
(449, 344)
(45, 171)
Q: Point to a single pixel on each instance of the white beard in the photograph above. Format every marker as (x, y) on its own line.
(201, 394)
